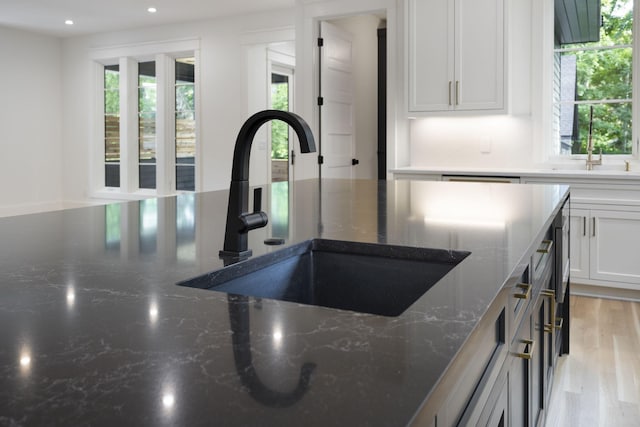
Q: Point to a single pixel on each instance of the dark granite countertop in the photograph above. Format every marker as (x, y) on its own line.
(95, 331)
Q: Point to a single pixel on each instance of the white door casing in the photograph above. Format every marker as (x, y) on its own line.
(337, 111)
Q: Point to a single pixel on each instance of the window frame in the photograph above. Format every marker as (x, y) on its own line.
(127, 57)
(635, 100)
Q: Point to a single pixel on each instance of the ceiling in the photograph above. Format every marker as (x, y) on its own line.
(94, 16)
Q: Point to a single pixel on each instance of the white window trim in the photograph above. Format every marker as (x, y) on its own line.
(635, 99)
(164, 53)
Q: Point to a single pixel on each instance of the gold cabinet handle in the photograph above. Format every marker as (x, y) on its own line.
(449, 92)
(457, 92)
(548, 244)
(559, 322)
(551, 294)
(526, 287)
(527, 354)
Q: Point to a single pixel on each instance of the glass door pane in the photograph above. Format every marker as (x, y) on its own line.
(147, 98)
(112, 126)
(185, 137)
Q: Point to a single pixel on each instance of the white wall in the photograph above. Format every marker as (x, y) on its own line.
(365, 67)
(477, 142)
(30, 120)
(223, 90)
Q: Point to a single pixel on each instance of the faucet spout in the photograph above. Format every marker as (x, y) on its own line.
(590, 161)
(240, 171)
(239, 221)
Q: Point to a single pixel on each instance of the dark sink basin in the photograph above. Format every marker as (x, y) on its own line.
(362, 277)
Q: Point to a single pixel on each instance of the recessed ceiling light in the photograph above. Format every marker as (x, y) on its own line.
(152, 10)
(68, 22)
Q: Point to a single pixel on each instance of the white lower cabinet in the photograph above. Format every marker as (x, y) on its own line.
(605, 245)
(579, 246)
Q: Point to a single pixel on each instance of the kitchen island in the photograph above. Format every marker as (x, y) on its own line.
(95, 330)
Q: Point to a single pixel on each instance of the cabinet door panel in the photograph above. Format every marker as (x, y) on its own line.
(479, 51)
(520, 376)
(579, 246)
(500, 412)
(615, 247)
(519, 406)
(538, 372)
(431, 30)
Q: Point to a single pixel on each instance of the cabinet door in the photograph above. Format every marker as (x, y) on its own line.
(500, 413)
(456, 55)
(523, 349)
(479, 61)
(496, 413)
(538, 362)
(579, 247)
(615, 246)
(431, 32)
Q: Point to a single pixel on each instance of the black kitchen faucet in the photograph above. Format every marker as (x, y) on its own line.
(239, 220)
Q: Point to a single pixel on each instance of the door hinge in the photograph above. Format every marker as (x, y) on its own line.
(320, 101)
(320, 160)
(320, 42)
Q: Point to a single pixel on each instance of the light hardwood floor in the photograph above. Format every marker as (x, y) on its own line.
(598, 384)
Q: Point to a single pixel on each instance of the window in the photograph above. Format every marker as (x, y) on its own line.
(279, 129)
(281, 97)
(594, 86)
(147, 108)
(145, 126)
(112, 125)
(185, 123)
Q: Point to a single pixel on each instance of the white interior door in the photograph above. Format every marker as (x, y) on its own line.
(337, 115)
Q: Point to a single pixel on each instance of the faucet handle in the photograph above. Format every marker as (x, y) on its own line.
(257, 218)
(257, 199)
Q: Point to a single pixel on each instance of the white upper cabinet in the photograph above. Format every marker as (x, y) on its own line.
(456, 55)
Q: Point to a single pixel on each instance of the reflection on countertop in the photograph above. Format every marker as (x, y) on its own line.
(96, 331)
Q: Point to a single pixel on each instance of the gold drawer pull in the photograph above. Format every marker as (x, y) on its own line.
(548, 293)
(551, 294)
(526, 287)
(548, 244)
(527, 355)
(559, 322)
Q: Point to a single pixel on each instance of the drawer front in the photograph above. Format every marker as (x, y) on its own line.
(543, 256)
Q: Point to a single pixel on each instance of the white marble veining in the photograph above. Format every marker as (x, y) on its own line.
(95, 331)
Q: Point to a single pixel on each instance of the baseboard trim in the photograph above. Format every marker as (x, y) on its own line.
(605, 292)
